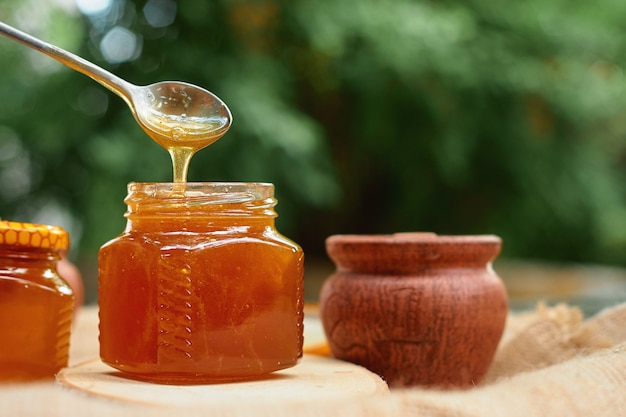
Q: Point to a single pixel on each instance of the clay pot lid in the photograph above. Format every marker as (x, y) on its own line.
(411, 251)
(414, 237)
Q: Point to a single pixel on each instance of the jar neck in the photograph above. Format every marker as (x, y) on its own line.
(194, 206)
(28, 257)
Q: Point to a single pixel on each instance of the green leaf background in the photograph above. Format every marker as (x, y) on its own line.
(369, 117)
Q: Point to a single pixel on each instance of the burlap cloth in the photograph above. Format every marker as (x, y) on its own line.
(550, 362)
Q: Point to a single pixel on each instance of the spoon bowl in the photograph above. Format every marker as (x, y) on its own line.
(173, 112)
(181, 117)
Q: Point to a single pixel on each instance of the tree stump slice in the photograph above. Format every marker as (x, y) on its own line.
(314, 379)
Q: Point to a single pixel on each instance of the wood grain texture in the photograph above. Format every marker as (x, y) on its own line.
(316, 379)
(417, 309)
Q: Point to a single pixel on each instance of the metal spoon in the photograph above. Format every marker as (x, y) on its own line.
(181, 117)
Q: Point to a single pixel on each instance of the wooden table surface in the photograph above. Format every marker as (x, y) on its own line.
(592, 288)
(90, 388)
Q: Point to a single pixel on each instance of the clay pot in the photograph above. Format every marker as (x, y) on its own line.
(416, 308)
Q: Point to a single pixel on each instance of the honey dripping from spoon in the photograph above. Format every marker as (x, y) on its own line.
(183, 122)
(181, 117)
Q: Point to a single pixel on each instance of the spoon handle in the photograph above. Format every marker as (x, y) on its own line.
(102, 76)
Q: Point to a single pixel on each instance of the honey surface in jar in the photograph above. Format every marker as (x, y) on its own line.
(36, 304)
(200, 286)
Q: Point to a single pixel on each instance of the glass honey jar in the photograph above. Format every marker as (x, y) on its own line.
(200, 286)
(36, 304)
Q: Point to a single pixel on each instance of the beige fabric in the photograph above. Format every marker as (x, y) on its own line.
(551, 362)
(535, 340)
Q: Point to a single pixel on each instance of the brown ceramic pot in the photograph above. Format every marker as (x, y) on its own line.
(416, 308)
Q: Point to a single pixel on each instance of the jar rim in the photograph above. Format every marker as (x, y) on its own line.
(232, 191)
(232, 186)
(204, 183)
(226, 198)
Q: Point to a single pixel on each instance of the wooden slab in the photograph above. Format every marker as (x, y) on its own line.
(313, 380)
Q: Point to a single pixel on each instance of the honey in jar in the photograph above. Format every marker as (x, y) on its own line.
(36, 304)
(200, 286)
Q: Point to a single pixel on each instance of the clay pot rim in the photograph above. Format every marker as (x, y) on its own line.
(412, 238)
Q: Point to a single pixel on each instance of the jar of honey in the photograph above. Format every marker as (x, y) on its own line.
(200, 286)
(36, 304)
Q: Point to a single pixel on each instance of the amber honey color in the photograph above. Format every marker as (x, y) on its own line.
(36, 304)
(200, 286)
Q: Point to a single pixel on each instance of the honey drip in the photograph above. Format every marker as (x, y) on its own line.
(181, 117)
(170, 118)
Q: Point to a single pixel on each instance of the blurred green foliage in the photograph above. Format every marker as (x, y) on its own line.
(369, 116)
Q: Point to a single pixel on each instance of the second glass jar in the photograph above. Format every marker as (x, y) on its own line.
(200, 286)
